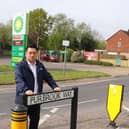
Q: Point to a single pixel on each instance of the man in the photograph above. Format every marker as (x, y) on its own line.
(29, 76)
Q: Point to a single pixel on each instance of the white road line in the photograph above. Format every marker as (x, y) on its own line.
(43, 119)
(91, 82)
(67, 85)
(54, 110)
(125, 108)
(88, 101)
(65, 105)
(3, 114)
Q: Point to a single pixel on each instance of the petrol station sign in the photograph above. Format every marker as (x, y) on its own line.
(20, 25)
(19, 38)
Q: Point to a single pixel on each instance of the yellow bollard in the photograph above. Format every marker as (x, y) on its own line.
(19, 117)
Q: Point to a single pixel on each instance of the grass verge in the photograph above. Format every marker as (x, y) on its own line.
(8, 78)
(68, 75)
(6, 68)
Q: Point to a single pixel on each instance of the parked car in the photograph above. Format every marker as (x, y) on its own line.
(48, 57)
(53, 58)
(45, 57)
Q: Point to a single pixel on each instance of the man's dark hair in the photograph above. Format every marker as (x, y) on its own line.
(32, 46)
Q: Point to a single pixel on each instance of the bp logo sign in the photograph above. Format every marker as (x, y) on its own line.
(18, 24)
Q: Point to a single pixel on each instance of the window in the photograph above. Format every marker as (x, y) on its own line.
(119, 43)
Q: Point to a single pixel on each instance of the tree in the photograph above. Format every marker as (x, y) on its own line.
(61, 30)
(5, 35)
(87, 42)
(101, 44)
(38, 27)
(55, 41)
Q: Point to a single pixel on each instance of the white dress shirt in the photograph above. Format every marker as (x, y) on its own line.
(34, 71)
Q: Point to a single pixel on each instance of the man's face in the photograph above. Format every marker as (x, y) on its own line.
(31, 54)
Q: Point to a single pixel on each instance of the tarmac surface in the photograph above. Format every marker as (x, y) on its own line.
(113, 71)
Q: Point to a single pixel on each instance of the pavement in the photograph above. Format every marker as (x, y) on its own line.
(113, 71)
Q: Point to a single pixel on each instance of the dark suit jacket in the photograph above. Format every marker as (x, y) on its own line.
(25, 79)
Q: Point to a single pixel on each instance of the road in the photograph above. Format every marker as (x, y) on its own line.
(91, 107)
(113, 71)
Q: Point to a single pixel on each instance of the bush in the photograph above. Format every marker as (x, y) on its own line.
(77, 56)
(93, 62)
(106, 56)
(70, 51)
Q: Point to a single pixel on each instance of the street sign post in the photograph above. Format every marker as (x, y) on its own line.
(65, 43)
(114, 102)
(47, 97)
(19, 38)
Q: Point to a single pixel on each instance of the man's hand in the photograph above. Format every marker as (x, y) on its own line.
(57, 89)
(29, 92)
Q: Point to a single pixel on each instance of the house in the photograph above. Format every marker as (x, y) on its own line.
(118, 43)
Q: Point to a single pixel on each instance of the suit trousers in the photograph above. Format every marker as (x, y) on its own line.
(34, 116)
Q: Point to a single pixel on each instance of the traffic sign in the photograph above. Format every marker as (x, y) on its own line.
(49, 97)
(66, 43)
(114, 100)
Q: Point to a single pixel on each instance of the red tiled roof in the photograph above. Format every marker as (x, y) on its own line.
(126, 32)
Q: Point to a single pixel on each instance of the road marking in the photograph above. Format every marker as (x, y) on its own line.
(3, 114)
(125, 108)
(88, 101)
(54, 110)
(67, 85)
(90, 82)
(65, 105)
(43, 119)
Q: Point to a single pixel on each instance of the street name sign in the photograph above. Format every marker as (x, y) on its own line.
(49, 97)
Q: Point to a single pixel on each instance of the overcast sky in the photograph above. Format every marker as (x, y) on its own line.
(105, 16)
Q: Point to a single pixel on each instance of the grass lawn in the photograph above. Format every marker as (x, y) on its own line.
(59, 75)
(6, 68)
(8, 78)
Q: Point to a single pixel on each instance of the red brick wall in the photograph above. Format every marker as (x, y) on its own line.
(112, 43)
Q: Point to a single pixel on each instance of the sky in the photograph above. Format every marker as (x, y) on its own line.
(104, 16)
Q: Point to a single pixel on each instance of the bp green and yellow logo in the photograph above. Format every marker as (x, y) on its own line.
(18, 24)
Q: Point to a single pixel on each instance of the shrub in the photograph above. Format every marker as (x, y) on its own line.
(93, 62)
(106, 56)
(77, 56)
(70, 51)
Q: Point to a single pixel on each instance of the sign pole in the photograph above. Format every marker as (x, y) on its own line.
(74, 108)
(65, 60)
(47, 97)
(66, 44)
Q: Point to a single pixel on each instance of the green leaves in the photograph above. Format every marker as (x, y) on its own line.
(38, 27)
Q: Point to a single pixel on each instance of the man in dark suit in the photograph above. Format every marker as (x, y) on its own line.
(29, 75)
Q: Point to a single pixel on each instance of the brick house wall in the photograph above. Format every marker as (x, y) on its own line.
(119, 42)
